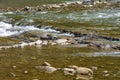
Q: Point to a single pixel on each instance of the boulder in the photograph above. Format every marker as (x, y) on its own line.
(82, 72)
(69, 71)
(38, 42)
(61, 41)
(47, 68)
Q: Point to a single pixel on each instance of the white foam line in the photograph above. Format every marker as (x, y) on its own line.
(106, 54)
(7, 29)
(49, 30)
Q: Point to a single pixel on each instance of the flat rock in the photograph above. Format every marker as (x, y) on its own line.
(47, 69)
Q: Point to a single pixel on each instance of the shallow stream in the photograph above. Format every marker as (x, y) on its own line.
(101, 21)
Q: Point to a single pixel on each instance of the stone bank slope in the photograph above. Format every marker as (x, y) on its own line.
(63, 38)
(86, 4)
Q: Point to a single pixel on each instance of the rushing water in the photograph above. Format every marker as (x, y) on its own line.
(109, 17)
(8, 30)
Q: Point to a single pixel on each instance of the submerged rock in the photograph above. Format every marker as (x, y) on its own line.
(61, 41)
(47, 68)
(106, 75)
(69, 71)
(82, 72)
(35, 79)
(94, 68)
(14, 67)
(106, 71)
(13, 74)
(26, 72)
(47, 64)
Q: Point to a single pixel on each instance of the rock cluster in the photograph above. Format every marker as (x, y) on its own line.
(39, 39)
(82, 72)
(38, 42)
(47, 68)
(84, 3)
(79, 72)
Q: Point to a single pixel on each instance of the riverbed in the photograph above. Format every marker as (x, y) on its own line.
(19, 63)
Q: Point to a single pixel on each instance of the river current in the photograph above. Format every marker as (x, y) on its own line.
(110, 17)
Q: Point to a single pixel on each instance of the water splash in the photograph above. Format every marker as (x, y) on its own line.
(7, 29)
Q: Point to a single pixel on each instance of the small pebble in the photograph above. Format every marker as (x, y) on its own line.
(114, 74)
(111, 63)
(35, 79)
(26, 72)
(106, 71)
(118, 72)
(33, 58)
(13, 74)
(94, 68)
(14, 67)
(47, 64)
(80, 60)
(106, 75)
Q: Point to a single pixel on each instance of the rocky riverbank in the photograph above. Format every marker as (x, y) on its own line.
(64, 37)
(78, 39)
(77, 5)
(94, 39)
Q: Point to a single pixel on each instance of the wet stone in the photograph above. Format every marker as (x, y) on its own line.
(35, 79)
(14, 67)
(94, 68)
(106, 71)
(25, 72)
(69, 71)
(106, 75)
(47, 68)
(13, 74)
(33, 58)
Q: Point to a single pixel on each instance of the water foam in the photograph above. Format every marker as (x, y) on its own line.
(7, 29)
